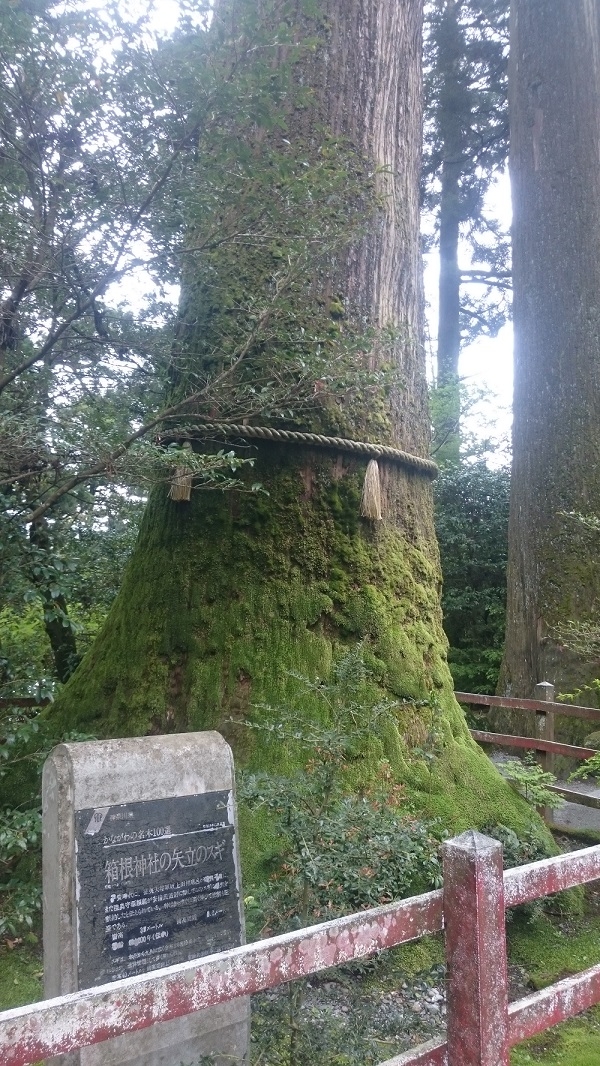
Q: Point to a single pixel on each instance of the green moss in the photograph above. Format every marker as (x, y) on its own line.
(228, 599)
(575, 1043)
(408, 960)
(549, 953)
(20, 977)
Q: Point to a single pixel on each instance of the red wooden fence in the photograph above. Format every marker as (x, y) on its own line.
(482, 1026)
(509, 703)
(543, 743)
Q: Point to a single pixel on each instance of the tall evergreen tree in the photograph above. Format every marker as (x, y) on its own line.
(466, 144)
(228, 598)
(554, 574)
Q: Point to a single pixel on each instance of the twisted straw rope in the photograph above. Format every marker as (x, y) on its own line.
(426, 467)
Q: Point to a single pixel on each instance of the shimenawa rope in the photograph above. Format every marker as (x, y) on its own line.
(181, 484)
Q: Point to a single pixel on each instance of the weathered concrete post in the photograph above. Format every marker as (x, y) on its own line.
(474, 920)
(141, 871)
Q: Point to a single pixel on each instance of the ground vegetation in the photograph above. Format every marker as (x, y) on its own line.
(471, 522)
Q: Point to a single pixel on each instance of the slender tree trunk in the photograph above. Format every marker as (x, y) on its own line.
(554, 570)
(228, 598)
(452, 114)
(453, 109)
(56, 616)
(448, 349)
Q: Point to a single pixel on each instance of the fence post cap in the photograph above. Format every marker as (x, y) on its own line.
(545, 689)
(472, 841)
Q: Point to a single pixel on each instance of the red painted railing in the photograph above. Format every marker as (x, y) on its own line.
(544, 743)
(510, 703)
(508, 740)
(482, 1026)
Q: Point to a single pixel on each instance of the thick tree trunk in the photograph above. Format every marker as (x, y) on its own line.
(554, 569)
(228, 598)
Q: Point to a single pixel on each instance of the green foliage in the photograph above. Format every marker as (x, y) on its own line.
(341, 852)
(26, 665)
(20, 827)
(343, 846)
(341, 849)
(20, 973)
(20, 883)
(590, 690)
(69, 582)
(528, 778)
(472, 527)
(589, 768)
(25, 741)
(69, 161)
(517, 850)
(343, 1029)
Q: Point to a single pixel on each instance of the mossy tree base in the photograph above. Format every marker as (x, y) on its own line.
(231, 600)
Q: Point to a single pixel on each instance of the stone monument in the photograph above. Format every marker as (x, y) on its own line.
(141, 871)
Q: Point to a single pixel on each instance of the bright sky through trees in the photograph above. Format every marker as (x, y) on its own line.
(487, 364)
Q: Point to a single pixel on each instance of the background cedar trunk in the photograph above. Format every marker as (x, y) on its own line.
(554, 568)
(452, 109)
(452, 134)
(228, 599)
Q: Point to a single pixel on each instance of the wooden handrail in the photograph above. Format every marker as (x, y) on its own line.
(510, 703)
(95, 1014)
(570, 751)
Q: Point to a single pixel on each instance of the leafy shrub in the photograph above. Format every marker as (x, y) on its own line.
(340, 851)
(358, 852)
(343, 846)
(471, 520)
(517, 851)
(529, 779)
(25, 739)
(348, 841)
(20, 834)
(589, 768)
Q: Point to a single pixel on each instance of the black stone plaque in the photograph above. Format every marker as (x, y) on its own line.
(156, 885)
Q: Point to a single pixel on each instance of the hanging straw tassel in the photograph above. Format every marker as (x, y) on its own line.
(181, 481)
(370, 504)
